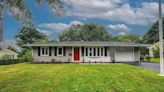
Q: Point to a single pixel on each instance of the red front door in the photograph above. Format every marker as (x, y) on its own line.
(76, 54)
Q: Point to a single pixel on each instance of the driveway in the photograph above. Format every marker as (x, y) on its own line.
(151, 66)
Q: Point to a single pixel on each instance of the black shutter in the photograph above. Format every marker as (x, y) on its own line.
(105, 51)
(38, 51)
(86, 52)
(94, 51)
(82, 53)
(49, 51)
(98, 52)
(64, 51)
(55, 51)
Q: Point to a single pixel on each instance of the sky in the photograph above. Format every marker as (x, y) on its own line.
(119, 17)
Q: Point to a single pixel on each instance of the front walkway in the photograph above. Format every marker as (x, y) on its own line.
(151, 66)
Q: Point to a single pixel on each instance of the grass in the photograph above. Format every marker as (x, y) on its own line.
(27, 77)
(155, 60)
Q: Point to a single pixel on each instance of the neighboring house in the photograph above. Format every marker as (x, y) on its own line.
(86, 51)
(6, 53)
(153, 47)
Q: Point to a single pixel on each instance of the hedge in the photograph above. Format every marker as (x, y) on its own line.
(12, 61)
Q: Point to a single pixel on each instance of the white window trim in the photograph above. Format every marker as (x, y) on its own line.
(41, 54)
(58, 51)
(92, 51)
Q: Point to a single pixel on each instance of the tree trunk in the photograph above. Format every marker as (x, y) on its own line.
(1, 23)
(1, 31)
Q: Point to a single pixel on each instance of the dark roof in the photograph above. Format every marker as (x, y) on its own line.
(88, 43)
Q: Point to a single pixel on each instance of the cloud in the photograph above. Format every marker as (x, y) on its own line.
(75, 22)
(122, 33)
(89, 8)
(51, 28)
(58, 27)
(119, 27)
(48, 33)
(144, 15)
(114, 10)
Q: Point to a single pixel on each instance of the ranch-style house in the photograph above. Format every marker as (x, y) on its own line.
(86, 51)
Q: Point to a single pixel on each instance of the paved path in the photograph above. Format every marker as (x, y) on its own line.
(151, 66)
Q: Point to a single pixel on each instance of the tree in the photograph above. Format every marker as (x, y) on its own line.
(156, 51)
(12, 48)
(152, 36)
(20, 11)
(128, 38)
(28, 35)
(85, 32)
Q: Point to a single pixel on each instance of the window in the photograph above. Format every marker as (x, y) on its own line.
(44, 51)
(102, 51)
(94, 51)
(90, 51)
(60, 51)
(98, 50)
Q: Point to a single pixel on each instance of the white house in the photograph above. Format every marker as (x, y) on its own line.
(6, 53)
(153, 47)
(86, 51)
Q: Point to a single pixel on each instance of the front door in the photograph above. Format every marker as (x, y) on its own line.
(76, 54)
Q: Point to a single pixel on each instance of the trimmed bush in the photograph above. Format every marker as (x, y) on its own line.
(12, 61)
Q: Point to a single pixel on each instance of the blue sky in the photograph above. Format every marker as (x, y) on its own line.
(118, 16)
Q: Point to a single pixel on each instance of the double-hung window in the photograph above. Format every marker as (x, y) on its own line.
(95, 51)
(44, 51)
(60, 51)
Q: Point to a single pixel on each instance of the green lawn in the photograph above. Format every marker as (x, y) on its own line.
(155, 60)
(27, 77)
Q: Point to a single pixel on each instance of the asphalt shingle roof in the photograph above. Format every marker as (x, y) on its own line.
(88, 43)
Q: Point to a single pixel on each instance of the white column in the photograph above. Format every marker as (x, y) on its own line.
(72, 54)
(96, 51)
(161, 40)
(92, 51)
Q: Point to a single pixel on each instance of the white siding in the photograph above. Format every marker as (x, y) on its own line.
(8, 53)
(117, 54)
(66, 58)
(97, 57)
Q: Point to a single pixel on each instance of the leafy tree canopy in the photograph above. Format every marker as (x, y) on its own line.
(152, 36)
(20, 10)
(128, 38)
(85, 32)
(29, 35)
(12, 49)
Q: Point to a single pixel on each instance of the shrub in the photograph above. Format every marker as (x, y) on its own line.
(27, 55)
(12, 61)
(156, 51)
(148, 58)
(53, 61)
